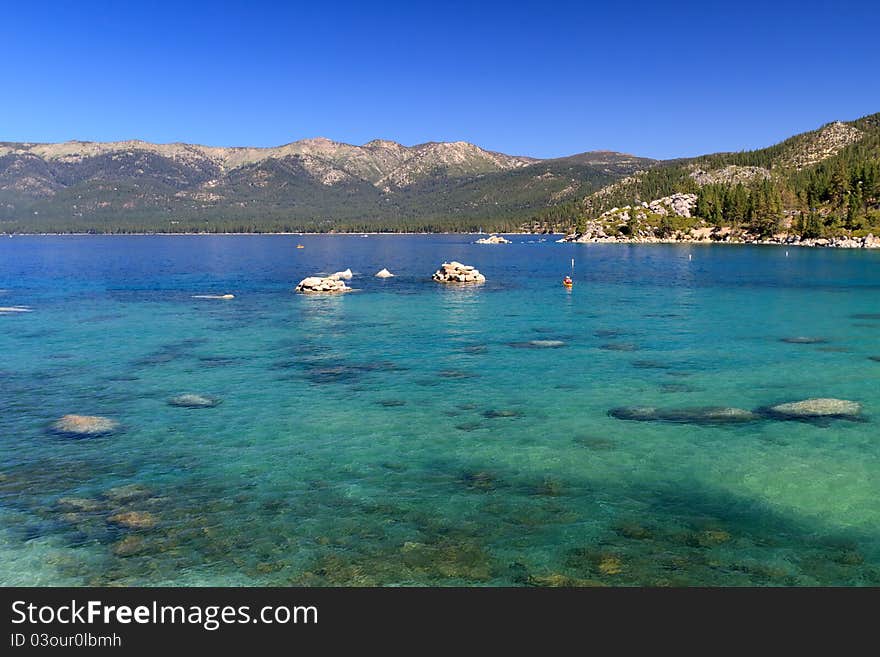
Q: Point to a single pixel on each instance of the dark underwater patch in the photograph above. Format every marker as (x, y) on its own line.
(803, 339)
(619, 346)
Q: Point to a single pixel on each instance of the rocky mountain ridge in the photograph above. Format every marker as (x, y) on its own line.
(311, 184)
(384, 163)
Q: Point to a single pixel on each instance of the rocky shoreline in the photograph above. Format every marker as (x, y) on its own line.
(697, 237)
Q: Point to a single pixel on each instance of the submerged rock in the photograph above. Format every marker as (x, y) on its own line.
(651, 365)
(128, 546)
(646, 413)
(492, 414)
(80, 504)
(455, 272)
(677, 387)
(134, 519)
(822, 407)
(14, 309)
(384, 273)
(318, 285)
(557, 580)
(468, 426)
(481, 481)
(596, 443)
(548, 487)
(800, 339)
(610, 565)
(457, 374)
(193, 401)
(128, 493)
(84, 425)
(619, 346)
(693, 415)
(538, 344)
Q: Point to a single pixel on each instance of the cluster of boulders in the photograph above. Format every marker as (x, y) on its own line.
(455, 272)
(866, 242)
(322, 285)
(677, 205)
(493, 239)
(731, 175)
(680, 205)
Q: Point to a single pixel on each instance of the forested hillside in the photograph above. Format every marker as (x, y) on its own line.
(821, 183)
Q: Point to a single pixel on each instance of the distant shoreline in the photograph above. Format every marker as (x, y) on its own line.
(824, 243)
(299, 234)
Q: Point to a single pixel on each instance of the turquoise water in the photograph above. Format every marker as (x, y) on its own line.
(412, 433)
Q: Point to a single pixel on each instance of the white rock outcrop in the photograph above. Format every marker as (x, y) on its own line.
(345, 275)
(322, 285)
(493, 239)
(384, 273)
(455, 272)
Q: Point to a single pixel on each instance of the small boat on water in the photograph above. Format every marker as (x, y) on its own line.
(300, 246)
(567, 282)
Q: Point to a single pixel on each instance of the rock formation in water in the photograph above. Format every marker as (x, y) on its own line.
(344, 275)
(384, 273)
(84, 425)
(455, 272)
(493, 239)
(319, 285)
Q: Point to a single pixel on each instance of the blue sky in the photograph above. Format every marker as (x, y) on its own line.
(659, 79)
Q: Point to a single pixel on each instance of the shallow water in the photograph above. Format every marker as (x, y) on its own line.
(415, 433)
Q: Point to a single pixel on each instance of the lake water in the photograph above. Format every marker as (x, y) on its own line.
(415, 433)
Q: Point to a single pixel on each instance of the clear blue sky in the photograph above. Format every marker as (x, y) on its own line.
(660, 79)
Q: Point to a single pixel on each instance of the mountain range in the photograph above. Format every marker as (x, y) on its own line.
(313, 184)
(820, 182)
